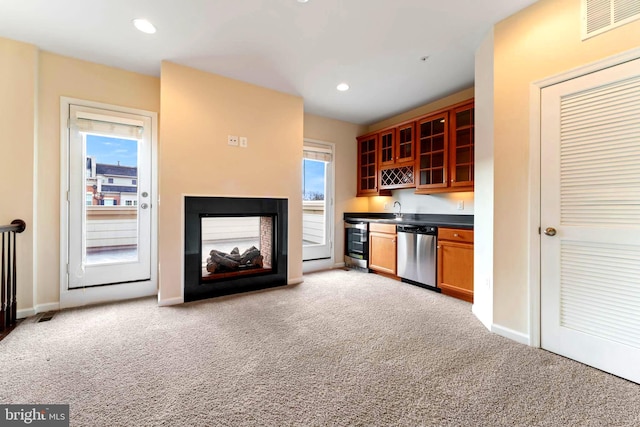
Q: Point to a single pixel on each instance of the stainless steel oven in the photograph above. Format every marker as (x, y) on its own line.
(356, 244)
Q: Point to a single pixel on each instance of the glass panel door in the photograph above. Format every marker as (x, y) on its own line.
(316, 203)
(109, 200)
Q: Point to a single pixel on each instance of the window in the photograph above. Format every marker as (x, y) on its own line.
(110, 180)
(134, 182)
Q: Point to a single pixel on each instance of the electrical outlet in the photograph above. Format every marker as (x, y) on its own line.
(243, 142)
(460, 205)
(232, 140)
(386, 206)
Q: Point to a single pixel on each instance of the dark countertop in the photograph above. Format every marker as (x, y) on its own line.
(455, 221)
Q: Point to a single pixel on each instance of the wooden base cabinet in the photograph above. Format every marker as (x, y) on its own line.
(455, 263)
(382, 248)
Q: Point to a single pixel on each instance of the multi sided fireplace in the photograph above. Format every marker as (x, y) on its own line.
(234, 245)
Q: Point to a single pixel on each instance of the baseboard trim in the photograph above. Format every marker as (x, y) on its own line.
(170, 301)
(40, 308)
(510, 333)
(25, 312)
(295, 281)
(339, 265)
(50, 306)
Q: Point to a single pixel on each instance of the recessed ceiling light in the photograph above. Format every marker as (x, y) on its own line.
(144, 25)
(342, 87)
(302, 1)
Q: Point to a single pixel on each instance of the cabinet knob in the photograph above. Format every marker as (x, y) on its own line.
(456, 235)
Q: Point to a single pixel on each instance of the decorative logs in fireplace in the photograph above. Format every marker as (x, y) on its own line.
(221, 262)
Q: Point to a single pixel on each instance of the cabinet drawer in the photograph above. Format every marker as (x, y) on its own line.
(455, 235)
(382, 228)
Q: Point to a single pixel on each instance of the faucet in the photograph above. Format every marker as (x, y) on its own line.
(399, 213)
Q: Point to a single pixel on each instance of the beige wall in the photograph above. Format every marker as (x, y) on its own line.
(539, 42)
(33, 82)
(446, 203)
(198, 111)
(343, 135)
(63, 76)
(454, 98)
(18, 86)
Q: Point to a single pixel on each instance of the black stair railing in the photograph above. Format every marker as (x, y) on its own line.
(8, 280)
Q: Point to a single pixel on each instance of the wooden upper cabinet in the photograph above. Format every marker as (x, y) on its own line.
(367, 165)
(405, 136)
(462, 146)
(387, 147)
(397, 145)
(444, 160)
(396, 157)
(431, 165)
(433, 153)
(368, 170)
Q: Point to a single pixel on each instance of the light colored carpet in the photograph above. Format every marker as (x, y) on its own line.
(342, 349)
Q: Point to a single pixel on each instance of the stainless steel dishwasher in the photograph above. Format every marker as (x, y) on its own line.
(417, 255)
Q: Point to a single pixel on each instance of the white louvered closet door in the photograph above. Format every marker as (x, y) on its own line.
(590, 195)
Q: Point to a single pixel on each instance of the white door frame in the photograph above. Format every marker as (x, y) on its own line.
(323, 264)
(535, 143)
(98, 294)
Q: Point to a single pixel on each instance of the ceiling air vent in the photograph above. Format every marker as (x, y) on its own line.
(599, 16)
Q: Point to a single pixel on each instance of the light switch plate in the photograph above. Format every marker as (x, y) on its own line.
(243, 142)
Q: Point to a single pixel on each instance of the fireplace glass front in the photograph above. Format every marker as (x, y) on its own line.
(236, 246)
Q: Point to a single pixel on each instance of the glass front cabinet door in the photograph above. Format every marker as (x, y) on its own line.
(462, 146)
(367, 165)
(431, 157)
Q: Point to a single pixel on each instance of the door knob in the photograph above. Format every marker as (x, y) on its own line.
(144, 206)
(550, 231)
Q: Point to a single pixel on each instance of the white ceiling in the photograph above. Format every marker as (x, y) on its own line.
(302, 49)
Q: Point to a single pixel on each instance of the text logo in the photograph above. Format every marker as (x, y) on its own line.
(34, 415)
